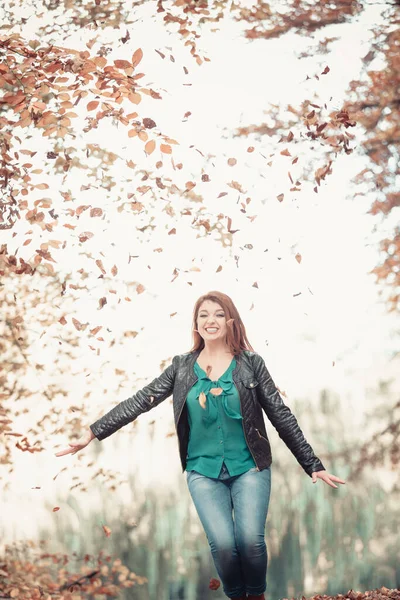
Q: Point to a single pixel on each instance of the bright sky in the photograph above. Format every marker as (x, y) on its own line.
(298, 336)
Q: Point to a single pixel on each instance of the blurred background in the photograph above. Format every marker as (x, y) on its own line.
(299, 228)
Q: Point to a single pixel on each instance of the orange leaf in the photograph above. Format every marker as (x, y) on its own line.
(56, 508)
(122, 64)
(166, 149)
(150, 147)
(92, 105)
(107, 530)
(137, 57)
(135, 97)
(100, 265)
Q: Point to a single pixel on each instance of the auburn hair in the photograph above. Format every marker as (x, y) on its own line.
(236, 337)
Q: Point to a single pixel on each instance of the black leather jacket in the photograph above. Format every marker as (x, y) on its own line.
(256, 390)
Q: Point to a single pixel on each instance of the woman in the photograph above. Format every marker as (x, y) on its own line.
(220, 389)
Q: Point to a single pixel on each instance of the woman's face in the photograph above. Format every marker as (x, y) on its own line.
(211, 315)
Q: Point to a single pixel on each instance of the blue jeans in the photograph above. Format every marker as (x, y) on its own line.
(237, 541)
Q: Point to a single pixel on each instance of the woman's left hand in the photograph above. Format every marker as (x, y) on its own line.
(327, 477)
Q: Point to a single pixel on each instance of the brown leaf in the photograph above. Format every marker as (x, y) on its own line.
(56, 508)
(150, 146)
(137, 57)
(107, 530)
(92, 105)
(96, 212)
(100, 265)
(165, 148)
(280, 197)
(298, 258)
(62, 320)
(232, 162)
(114, 270)
(285, 152)
(79, 326)
(95, 329)
(85, 235)
(122, 64)
(149, 123)
(102, 302)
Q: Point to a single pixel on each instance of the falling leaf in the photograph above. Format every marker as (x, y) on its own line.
(96, 212)
(250, 149)
(298, 258)
(79, 326)
(325, 71)
(63, 320)
(107, 530)
(122, 64)
(92, 105)
(280, 197)
(137, 57)
(285, 152)
(232, 162)
(114, 270)
(165, 148)
(214, 584)
(150, 146)
(56, 508)
(100, 265)
(149, 123)
(95, 330)
(102, 302)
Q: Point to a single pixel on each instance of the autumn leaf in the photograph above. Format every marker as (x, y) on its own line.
(102, 302)
(62, 320)
(92, 105)
(122, 64)
(107, 530)
(79, 326)
(137, 57)
(96, 212)
(165, 148)
(56, 508)
(150, 146)
(214, 584)
(99, 263)
(298, 258)
(232, 162)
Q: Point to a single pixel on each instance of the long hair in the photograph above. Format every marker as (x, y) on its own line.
(236, 337)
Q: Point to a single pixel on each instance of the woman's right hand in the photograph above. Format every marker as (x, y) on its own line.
(78, 445)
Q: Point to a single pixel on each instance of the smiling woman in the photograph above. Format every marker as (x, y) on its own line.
(220, 388)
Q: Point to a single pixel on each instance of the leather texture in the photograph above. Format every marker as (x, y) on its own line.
(257, 392)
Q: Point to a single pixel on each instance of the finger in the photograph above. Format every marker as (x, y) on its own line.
(63, 452)
(334, 478)
(329, 482)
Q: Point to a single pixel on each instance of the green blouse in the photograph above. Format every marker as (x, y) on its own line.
(216, 432)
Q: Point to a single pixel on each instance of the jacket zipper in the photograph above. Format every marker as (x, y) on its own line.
(261, 436)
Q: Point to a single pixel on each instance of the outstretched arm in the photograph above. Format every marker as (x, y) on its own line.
(283, 419)
(142, 401)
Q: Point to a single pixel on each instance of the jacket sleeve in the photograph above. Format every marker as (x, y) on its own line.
(144, 400)
(283, 419)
